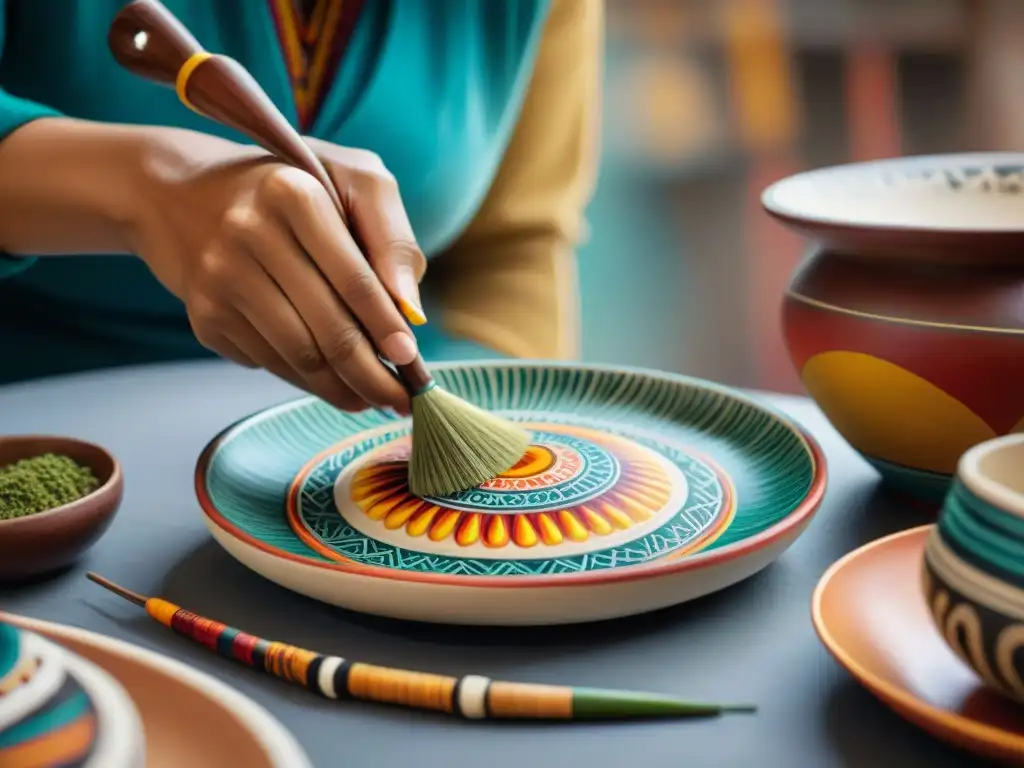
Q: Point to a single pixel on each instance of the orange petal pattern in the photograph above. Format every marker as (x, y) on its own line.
(381, 490)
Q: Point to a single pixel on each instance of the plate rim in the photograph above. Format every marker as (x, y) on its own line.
(279, 743)
(108, 698)
(797, 217)
(896, 697)
(804, 511)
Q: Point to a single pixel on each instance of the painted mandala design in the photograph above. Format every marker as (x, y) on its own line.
(579, 499)
(563, 489)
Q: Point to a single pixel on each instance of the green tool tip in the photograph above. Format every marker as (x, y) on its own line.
(593, 703)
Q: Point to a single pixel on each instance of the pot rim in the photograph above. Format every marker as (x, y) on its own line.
(983, 482)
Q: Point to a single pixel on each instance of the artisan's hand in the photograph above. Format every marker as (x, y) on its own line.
(270, 274)
(376, 214)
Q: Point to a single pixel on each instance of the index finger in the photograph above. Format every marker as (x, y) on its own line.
(329, 244)
(382, 225)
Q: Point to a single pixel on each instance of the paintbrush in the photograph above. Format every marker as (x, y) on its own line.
(455, 445)
(470, 696)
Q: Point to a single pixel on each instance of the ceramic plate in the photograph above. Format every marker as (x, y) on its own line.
(869, 610)
(640, 490)
(59, 709)
(929, 205)
(189, 718)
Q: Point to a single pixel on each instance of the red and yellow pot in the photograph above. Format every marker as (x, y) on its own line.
(906, 322)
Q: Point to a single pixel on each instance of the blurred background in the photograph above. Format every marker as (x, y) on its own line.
(709, 101)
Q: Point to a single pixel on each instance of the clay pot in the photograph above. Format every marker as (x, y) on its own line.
(906, 320)
(973, 569)
(45, 542)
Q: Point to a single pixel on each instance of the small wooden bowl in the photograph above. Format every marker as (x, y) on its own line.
(973, 569)
(48, 541)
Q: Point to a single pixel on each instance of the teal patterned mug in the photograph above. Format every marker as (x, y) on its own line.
(973, 569)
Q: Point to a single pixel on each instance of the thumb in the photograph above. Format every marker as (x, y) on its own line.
(400, 269)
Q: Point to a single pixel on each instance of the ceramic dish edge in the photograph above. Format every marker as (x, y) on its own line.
(279, 744)
(921, 714)
(121, 736)
(483, 606)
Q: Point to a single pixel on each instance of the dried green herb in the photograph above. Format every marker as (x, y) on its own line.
(41, 483)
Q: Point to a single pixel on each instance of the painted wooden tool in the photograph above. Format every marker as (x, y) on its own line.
(456, 445)
(470, 696)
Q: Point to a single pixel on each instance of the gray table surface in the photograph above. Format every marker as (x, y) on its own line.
(752, 642)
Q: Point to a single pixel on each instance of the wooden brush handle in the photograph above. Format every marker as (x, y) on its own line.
(147, 40)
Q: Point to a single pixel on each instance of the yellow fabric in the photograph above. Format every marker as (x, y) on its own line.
(510, 281)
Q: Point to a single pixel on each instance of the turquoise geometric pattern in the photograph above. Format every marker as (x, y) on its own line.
(627, 466)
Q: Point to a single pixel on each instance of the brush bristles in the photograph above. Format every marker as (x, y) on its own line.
(457, 446)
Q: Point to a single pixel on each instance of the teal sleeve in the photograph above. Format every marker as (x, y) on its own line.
(14, 113)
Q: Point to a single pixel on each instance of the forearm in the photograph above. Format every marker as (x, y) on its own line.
(75, 187)
(66, 187)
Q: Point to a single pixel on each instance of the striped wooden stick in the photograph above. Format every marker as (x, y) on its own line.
(470, 696)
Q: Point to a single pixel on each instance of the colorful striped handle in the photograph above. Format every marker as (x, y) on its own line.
(470, 696)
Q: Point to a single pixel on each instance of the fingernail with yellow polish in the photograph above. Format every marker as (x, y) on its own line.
(409, 297)
(413, 312)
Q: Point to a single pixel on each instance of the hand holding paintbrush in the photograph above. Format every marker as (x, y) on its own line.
(455, 445)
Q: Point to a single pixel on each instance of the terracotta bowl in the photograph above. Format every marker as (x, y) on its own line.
(906, 321)
(973, 569)
(48, 541)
